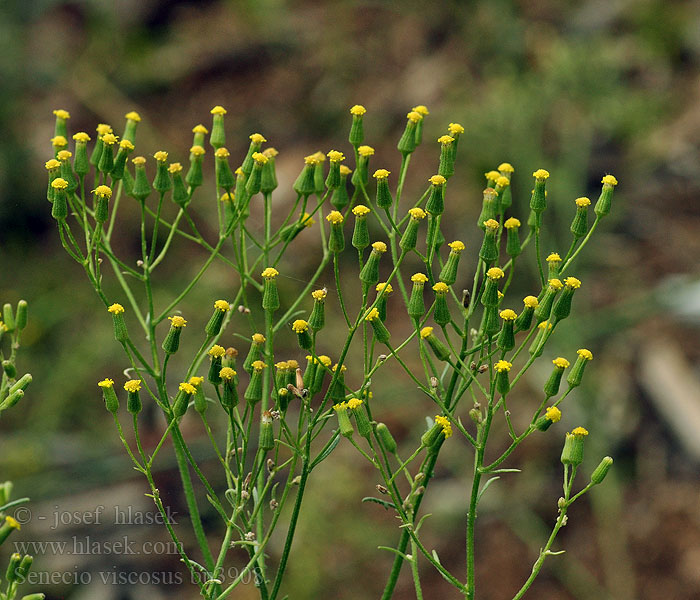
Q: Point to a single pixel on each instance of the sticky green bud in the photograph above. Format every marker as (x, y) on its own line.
(180, 195)
(305, 183)
(21, 384)
(344, 424)
(502, 368)
(506, 338)
(513, 247)
(171, 343)
(407, 142)
(109, 395)
(195, 177)
(381, 333)
(447, 156)
(120, 332)
(141, 188)
(436, 199)
(416, 304)
(340, 198)
(317, 319)
(271, 298)
(253, 392)
(12, 399)
(218, 134)
(267, 435)
(224, 176)
(544, 309)
(448, 274)
(551, 387)
(385, 438)
(538, 202)
(441, 351)
(301, 328)
(562, 306)
(369, 275)
(576, 373)
(572, 453)
(8, 316)
(133, 397)
(384, 199)
(213, 327)
(12, 565)
(360, 236)
(604, 203)
(489, 247)
(268, 182)
(579, 225)
(9, 368)
(336, 240)
(357, 134)
(441, 312)
(488, 208)
(601, 470)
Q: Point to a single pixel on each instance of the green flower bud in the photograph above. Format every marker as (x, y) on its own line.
(253, 392)
(553, 263)
(268, 182)
(102, 129)
(59, 209)
(171, 343)
(572, 454)
(224, 176)
(109, 395)
(544, 309)
(12, 565)
(125, 148)
(551, 387)
(360, 177)
(436, 200)
(579, 226)
(602, 207)
(21, 384)
(301, 328)
(317, 319)
(53, 168)
(447, 156)
(216, 353)
(344, 424)
(407, 142)
(537, 345)
(357, 134)
(195, 177)
(12, 399)
(180, 195)
(506, 199)
(524, 319)
(490, 294)
(513, 248)
(271, 299)
(9, 368)
(360, 236)
(229, 396)
(562, 306)
(384, 199)
(448, 274)
(182, 401)
(384, 290)
(601, 470)
(340, 198)
(67, 173)
(416, 305)
(267, 435)
(8, 316)
(441, 351)
(489, 322)
(336, 239)
(364, 427)
(212, 328)
(106, 164)
(385, 438)
(310, 372)
(538, 202)
(369, 275)
(322, 368)
(506, 338)
(254, 353)
(502, 368)
(381, 333)
(133, 398)
(488, 208)
(576, 373)
(254, 183)
(489, 247)
(60, 127)
(319, 184)
(218, 133)
(441, 312)
(132, 120)
(410, 235)
(305, 183)
(120, 332)
(102, 194)
(551, 415)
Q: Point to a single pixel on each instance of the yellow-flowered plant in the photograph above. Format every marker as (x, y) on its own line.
(271, 422)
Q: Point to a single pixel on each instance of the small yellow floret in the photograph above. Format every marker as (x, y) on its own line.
(455, 129)
(104, 191)
(218, 110)
(258, 338)
(258, 365)
(307, 220)
(52, 164)
(372, 314)
(197, 150)
(555, 284)
(217, 351)
(59, 141)
(257, 138)
(495, 273)
(360, 210)
(196, 380)
(560, 362)
(358, 110)
(325, 360)
(110, 139)
(446, 425)
(354, 403)
(580, 431)
(417, 213)
(414, 116)
(222, 305)
(222, 153)
(582, 202)
(127, 145)
(106, 383)
(116, 309)
(553, 414)
(138, 161)
(103, 128)
(506, 168)
(227, 373)
(59, 183)
(379, 247)
(311, 159)
(421, 109)
(340, 406)
(81, 137)
(133, 116)
(270, 152)
(174, 168)
(300, 326)
(426, 332)
(491, 224)
(512, 223)
(508, 315)
(200, 129)
(502, 365)
(335, 217)
(492, 175)
(133, 385)
(437, 180)
(381, 174)
(572, 282)
(365, 151)
(445, 140)
(541, 174)
(61, 114)
(64, 155)
(161, 156)
(384, 287)
(531, 301)
(609, 180)
(502, 182)
(188, 388)
(345, 170)
(553, 257)
(260, 158)
(270, 273)
(319, 294)
(12, 522)
(335, 156)
(227, 197)
(419, 278)
(456, 246)
(583, 353)
(343, 368)
(292, 364)
(177, 321)
(440, 287)
(282, 365)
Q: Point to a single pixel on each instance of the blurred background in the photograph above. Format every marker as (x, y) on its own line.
(579, 88)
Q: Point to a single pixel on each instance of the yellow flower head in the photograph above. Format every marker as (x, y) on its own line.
(502, 181)
(258, 365)
(218, 110)
(222, 305)
(414, 116)
(59, 141)
(494, 273)
(444, 422)
(555, 284)
(553, 257)
(354, 403)
(127, 145)
(200, 129)
(384, 287)
(102, 129)
(335, 217)
(59, 183)
(227, 197)
(300, 326)
(343, 368)
(508, 315)
(319, 294)
(12, 522)
(372, 315)
(103, 191)
(455, 129)
(258, 338)
(456, 246)
(379, 247)
(340, 406)
(292, 364)
(560, 363)
(177, 321)
(358, 110)
(426, 332)
(222, 153)
(582, 202)
(61, 114)
(133, 385)
(257, 138)
(325, 360)
(541, 174)
(445, 140)
(502, 365)
(161, 156)
(583, 353)
(282, 365)
(506, 168)
(360, 210)
(572, 283)
(174, 167)
(544, 325)
(493, 175)
(260, 158)
(609, 180)
(419, 278)
(335, 156)
(81, 137)
(580, 431)
(116, 309)
(106, 383)
(227, 373)
(52, 164)
(311, 159)
(197, 151)
(188, 388)
(440, 287)
(139, 161)
(365, 151)
(270, 273)
(345, 170)
(511, 223)
(553, 414)
(217, 351)
(133, 116)
(196, 381)
(491, 224)
(64, 155)
(110, 139)
(531, 302)
(417, 213)
(270, 152)
(421, 109)
(381, 174)
(307, 220)
(437, 180)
